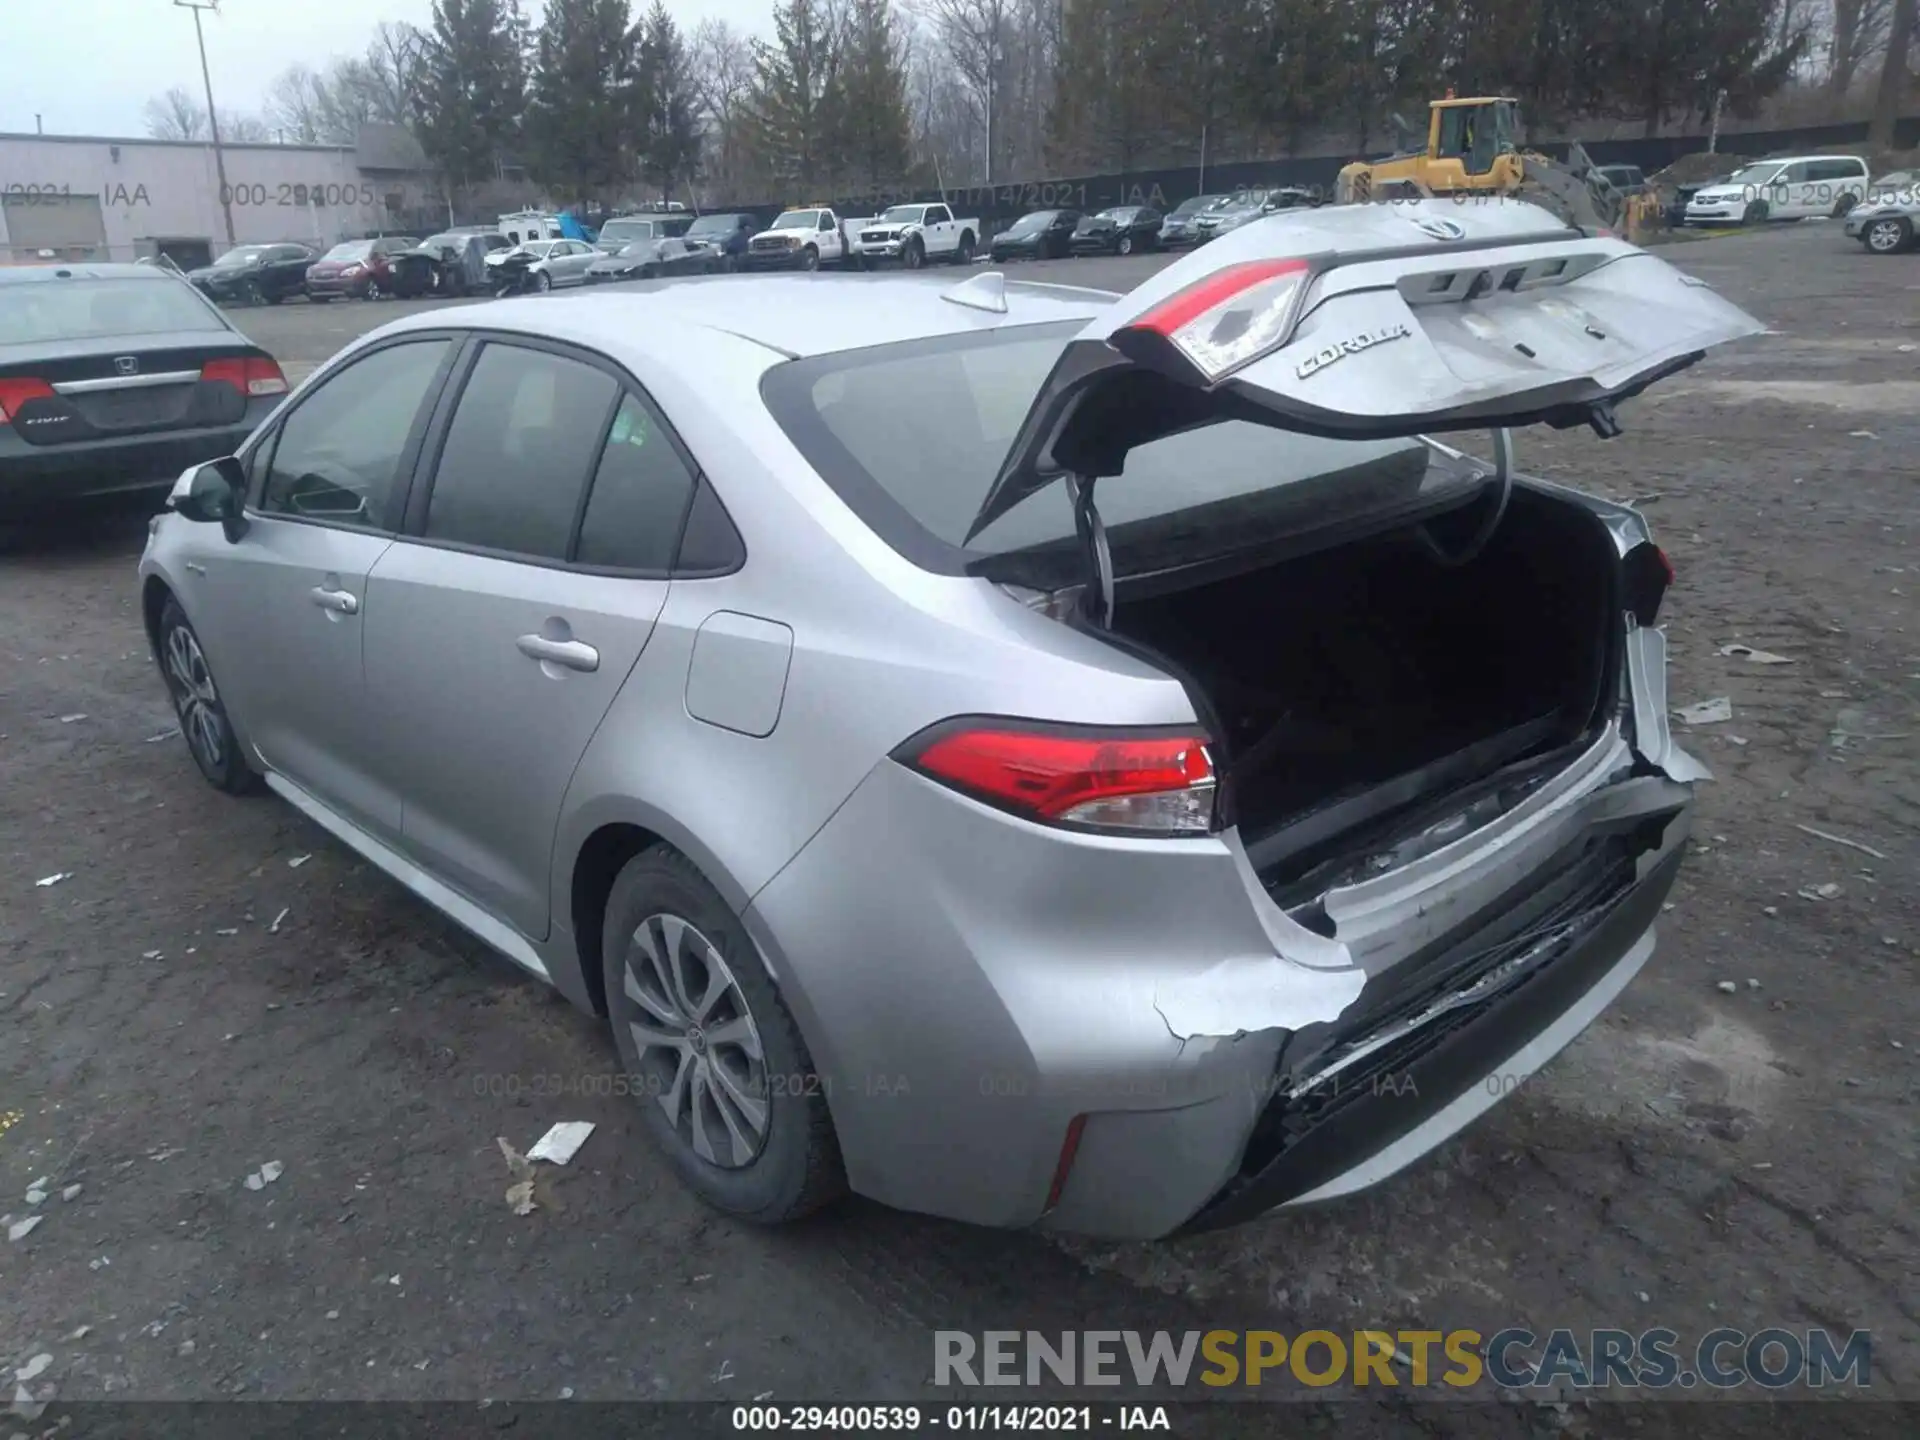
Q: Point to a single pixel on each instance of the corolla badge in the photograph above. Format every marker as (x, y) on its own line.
(1440, 229)
(1352, 345)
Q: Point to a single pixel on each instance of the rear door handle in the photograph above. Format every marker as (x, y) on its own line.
(343, 601)
(573, 654)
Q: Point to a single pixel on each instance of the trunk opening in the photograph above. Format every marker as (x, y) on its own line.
(1358, 684)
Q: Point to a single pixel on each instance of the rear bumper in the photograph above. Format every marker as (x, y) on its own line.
(980, 983)
(36, 479)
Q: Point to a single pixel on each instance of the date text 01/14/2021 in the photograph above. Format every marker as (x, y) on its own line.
(845, 1419)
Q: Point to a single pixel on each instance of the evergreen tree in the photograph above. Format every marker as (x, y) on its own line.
(471, 86)
(669, 111)
(870, 106)
(795, 91)
(581, 100)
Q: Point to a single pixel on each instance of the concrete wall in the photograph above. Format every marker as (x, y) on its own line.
(161, 190)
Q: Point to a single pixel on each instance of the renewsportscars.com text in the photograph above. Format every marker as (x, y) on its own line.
(1516, 1359)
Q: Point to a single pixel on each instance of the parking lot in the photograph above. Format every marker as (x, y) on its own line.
(215, 985)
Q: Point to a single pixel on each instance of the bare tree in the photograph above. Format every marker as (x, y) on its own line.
(175, 115)
(240, 128)
(723, 73)
(392, 73)
(975, 34)
(297, 106)
(1856, 30)
(1901, 34)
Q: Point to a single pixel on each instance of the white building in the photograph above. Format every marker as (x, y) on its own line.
(88, 197)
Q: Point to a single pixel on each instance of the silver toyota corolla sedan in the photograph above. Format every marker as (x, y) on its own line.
(1016, 752)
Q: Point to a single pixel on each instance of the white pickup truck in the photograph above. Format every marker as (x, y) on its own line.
(802, 240)
(915, 234)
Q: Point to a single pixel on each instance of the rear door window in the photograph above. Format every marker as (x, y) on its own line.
(641, 490)
(518, 452)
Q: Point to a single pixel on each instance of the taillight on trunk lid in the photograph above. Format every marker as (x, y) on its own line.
(1152, 782)
(17, 392)
(251, 375)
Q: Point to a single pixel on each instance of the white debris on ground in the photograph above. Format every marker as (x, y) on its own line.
(562, 1142)
(1706, 712)
(1756, 657)
(18, 1230)
(520, 1193)
(265, 1175)
(53, 879)
(274, 928)
(34, 1368)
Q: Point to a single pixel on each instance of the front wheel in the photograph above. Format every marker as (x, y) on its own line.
(810, 258)
(542, 282)
(252, 295)
(1887, 236)
(726, 1087)
(1755, 213)
(1125, 247)
(914, 256)
(374, 292)
(196, 700)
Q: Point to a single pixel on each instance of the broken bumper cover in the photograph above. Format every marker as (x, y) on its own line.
(971, 987)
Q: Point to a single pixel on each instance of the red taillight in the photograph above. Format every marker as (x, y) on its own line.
(251, 375)
(1648, 575)
(1153, 784)
(1064, 1166)
(15, 393)
(1666, 563)
(1228, 319)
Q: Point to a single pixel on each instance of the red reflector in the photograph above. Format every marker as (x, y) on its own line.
(15, 393)
(1064, 1167)
(251, 375)
(1045, 775)
(1666, 563)
(1204, 294)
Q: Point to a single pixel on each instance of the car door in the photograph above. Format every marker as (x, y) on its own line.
(282, 609)
(512, 610)
(286, 269)
(828, 240)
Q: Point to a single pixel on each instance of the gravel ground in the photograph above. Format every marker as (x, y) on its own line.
(215, 986)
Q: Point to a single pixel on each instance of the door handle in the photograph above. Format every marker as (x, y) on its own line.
(345, 602)
(573, 654)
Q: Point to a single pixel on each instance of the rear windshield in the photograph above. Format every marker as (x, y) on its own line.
(917, 432)
(48, 310)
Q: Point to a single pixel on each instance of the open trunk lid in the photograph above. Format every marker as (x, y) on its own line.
(1369, 321)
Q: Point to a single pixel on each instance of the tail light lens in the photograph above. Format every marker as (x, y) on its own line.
(253, 375)
(1648, 574)
(1225, 320)
(1115, 781)
(15, 393)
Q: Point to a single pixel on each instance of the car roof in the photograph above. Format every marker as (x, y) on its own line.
(27, 271)
(797, 315)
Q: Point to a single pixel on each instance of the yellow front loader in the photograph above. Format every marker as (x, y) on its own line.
(1472, 150)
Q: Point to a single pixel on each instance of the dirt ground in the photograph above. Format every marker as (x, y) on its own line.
(214, 985)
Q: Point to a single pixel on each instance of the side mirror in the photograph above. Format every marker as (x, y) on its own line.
(212, 494)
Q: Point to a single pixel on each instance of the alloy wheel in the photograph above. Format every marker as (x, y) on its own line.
(195, 698)
(698, 1048)
(1884, 237)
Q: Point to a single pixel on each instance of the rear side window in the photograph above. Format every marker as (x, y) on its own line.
(640, 495)
(338, 454)
(518, 452)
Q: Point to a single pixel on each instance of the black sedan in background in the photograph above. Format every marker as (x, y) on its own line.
(256, 274)
(114, 379)
(1118, 231)
(644, 259)
(1041, 235)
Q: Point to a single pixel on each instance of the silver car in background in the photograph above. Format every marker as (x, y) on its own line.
(1887, 220)
(1019, 753)
(541, 265)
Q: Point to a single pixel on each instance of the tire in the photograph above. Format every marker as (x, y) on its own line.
(542, 282)
(665, 929)
(1843, 205)
(196, 701)
(374, 292)
(647, 272)
(964, 255)
(1888, 235)
(914, 256)
(1755, 213)
(1124, 246)
(252, 295)
(810, 258)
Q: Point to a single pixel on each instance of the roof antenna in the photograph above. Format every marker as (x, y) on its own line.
(985, 291)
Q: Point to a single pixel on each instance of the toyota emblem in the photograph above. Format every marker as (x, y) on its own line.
(1440, 229)
(127, 365)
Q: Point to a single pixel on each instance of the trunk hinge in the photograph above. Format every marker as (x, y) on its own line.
(1503, 476)
(1097, 598)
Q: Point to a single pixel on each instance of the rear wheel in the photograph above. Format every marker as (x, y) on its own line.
(726, 1086)
(1887, 236)
(196, 700)
(964, 255)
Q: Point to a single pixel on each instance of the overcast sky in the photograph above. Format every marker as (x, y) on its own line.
(86, 67)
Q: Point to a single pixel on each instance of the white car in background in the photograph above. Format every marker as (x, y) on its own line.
(915, 234)
(1794, 188)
